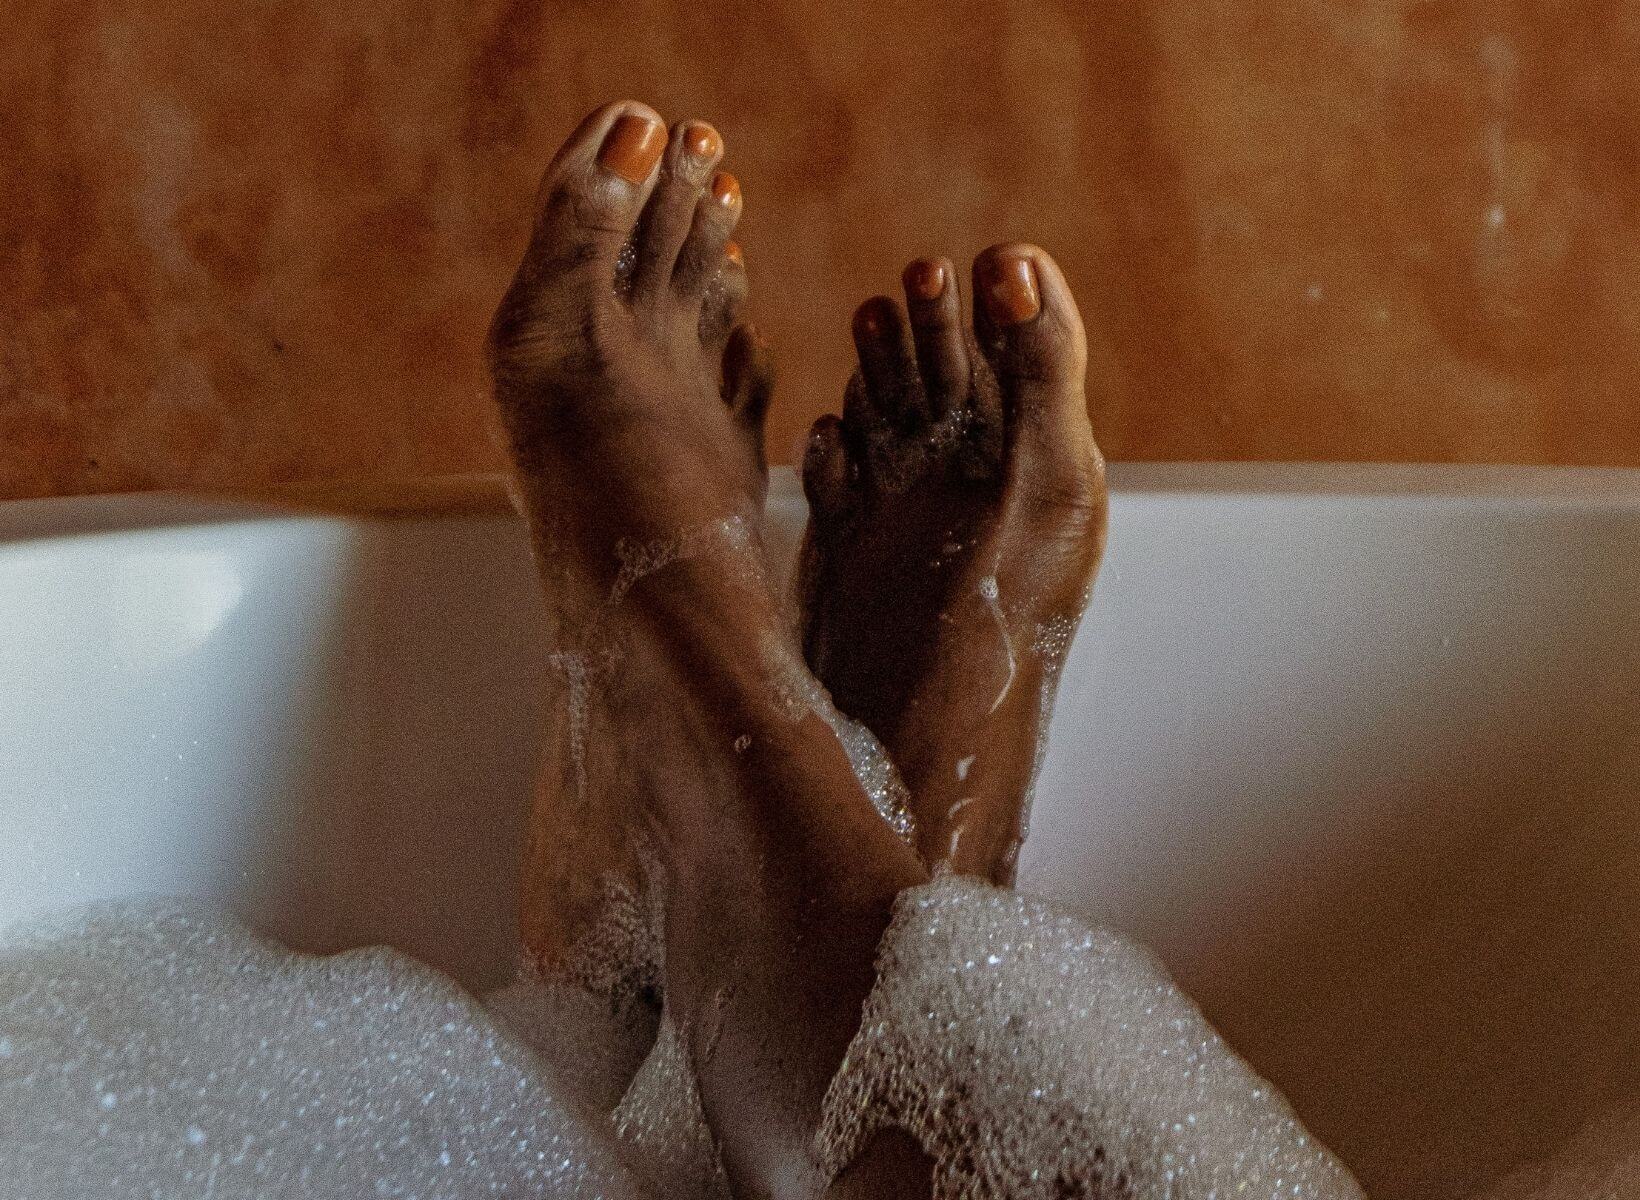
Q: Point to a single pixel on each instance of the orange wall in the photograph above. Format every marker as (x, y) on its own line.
(240, 247)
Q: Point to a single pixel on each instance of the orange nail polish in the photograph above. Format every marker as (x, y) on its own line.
(1010, 291)
(632, 147)
(731, 251)
(725, 188)
(925, 280)
(701, 140)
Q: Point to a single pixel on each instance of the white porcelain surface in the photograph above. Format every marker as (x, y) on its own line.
(1357, 750)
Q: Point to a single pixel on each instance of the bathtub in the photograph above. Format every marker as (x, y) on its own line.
(1356, 750)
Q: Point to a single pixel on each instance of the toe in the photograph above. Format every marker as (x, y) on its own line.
(692, 151)
(865, 432)
(702, 257)
(585, 209)
(826, 469)
(935, 308)
(591, 196)
(1029, 330)
(723, 299)
(888, 363)
(1025, 317)
(748, 377)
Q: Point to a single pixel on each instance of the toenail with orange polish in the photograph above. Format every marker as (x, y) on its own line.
(725, 188)
(731, 251)
(925, 280)
(701, 140)
(1010, 291)
(632, 147)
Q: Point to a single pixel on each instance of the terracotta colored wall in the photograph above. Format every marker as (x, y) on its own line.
(251, 242)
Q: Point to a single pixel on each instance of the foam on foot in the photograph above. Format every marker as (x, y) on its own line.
(663, 1127)
(620, 333)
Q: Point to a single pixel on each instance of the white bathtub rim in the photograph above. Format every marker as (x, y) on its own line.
(1614, 487)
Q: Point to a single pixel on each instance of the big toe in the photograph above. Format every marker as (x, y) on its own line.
(1028, 328)
(591, 196)
(586, 209)
(1025, 318)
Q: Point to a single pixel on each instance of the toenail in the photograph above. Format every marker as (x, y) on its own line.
(925, 280)
(701, 140)
(731, 251)
(725, 189)
(632, 147)
(1008, 283)
(869, 319)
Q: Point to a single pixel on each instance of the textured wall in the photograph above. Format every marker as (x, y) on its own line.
(252, 242)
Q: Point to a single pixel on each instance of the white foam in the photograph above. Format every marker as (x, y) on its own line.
(1034, 1057)
(800, 695)
(663, 1127)
(989, 592)
(597, 1016)
(578, 713)
(588, 655)
(159, 1049)
(730, 536)
(165, 1051)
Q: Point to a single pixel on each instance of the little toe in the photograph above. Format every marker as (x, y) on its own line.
(724, 297)
(702, 257)
(888, 363)
(934, 306)
(748, 378)
(826, 470)
(692, 151)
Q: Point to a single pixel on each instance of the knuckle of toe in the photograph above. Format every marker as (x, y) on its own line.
(591, 208)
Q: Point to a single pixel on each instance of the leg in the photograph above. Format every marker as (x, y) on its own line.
(641, 498)
(677, 266)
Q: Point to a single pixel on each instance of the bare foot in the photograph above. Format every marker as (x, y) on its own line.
(616, 356)
(957, 520)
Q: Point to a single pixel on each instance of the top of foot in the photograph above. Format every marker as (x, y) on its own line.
(619, 336)
(957, 519)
